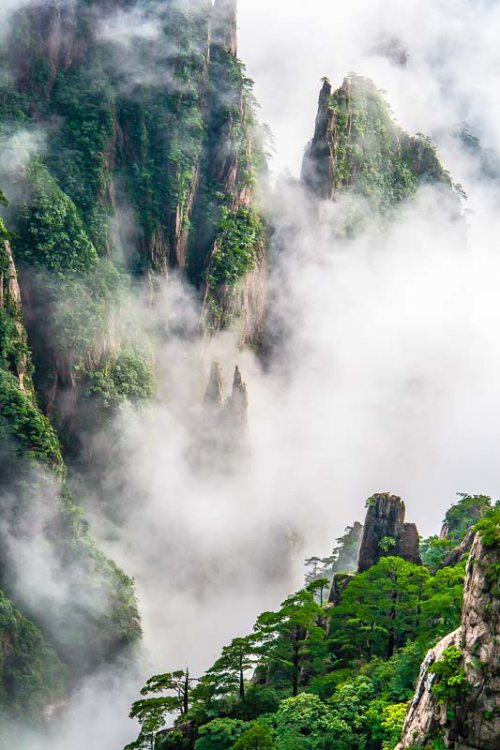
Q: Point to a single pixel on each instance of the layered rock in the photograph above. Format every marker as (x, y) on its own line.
(386, 533)
(471, 720)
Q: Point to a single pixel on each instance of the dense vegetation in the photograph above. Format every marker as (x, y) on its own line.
(375, 159)
(127, 162)
(312, 676)
(31, 674)
(131, 162)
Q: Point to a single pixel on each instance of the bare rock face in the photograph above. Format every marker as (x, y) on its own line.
(386, 533)
(10, 297)
(473, 724)
(213, 394)
(459, 553)
(236, 407)
(319, 162)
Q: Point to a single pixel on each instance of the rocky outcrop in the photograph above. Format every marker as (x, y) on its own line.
(236, 407)
(386, 533)
(357, 145)
(233, 411)
(471, 721)
(213, 393)
(460, 552)
(318, 168)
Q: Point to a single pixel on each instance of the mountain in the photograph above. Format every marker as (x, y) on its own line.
(457, 700)
(358, 148)
(134, 155)
(340, 673)
(134, 159)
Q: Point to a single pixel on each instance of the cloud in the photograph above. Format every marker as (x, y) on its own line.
(386, 378)
(453, 59)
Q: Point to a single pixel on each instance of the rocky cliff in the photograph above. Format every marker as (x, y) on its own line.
(457, 701)
(151, 153)
(90, 619)
(386, 533)
(358, 149)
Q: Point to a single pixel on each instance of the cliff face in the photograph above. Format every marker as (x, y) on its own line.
(468, 717)
(386, 533)
(150, 163)
(93, 617)
(358, 149)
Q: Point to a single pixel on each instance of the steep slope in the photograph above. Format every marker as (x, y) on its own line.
(311, 675)
(458, 694)
(150, 159)
(90, 617)
(358, 149)
(386, 533)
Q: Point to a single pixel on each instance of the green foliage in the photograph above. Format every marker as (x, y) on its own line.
(152, 712)
(220, 734)
(451, 682)
(433, 551)
(351, 668)
(489, 527)
(387, 543)
(227, 676)
(463, 515)
(50, 234)
(258, 737)
(392, 723)
(3, 229)
(31, 675)
(375, 159)
(81, 98)
(291, 638)
(306, 723)
(124, 377)
(380, 609)
(22, 422)
(238, 246)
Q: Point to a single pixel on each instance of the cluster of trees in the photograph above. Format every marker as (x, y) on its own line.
(312, 676)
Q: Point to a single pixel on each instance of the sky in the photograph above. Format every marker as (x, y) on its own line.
(451, 76)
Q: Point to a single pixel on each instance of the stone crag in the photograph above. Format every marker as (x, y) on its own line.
(472, 722)
(386, 533)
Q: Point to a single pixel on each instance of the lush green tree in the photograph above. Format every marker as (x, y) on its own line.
(442, 608)
(433, 550)
(220, 734)
(174, 689)
(257, 737)
(292, 637)
(50, 234)
(463, 515)
(307, 723)
(380, 609)
(227, 675)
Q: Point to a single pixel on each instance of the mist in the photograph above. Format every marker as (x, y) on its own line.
(385, 369)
